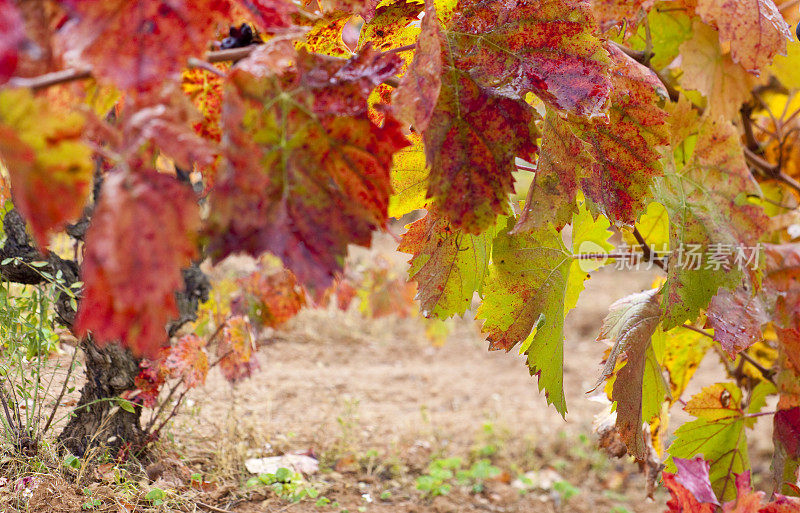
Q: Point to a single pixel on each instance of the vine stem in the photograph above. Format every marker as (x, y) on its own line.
(646, 251)
(231, 55)
(745, 357)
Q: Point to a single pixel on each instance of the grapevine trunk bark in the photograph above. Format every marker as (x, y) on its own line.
(97, 420)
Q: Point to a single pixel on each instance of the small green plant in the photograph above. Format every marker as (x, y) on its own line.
(91, 502)
(565, 490)
(442, 472)
(437, 480)
(619, 509)
(27, 339)
(156, 496)
(476, 476)
(289, 486)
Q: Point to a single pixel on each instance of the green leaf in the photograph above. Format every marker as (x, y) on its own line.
(449, 265)
(718, 434)
(710, 221)
(527, 282)
(125, 405)
(589, 236)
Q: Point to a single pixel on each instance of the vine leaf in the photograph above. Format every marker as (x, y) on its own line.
(552, 194)
(629, 326)
(711, 72)
(610, 13)
(272, 298)
(718, 433)
(694, 476)
(270, 15)
(135, 45)
(49, 165)
(625, 148)
(448, 265)
(713, 230)
(417, 95)
(471, 144)
(684, 349)
(755, 29)
(409, 179)
(547, 47)
(136, 210)
(682, 500)
(186, 359)
(736, 318)
(164, 119)
(308, 170)
(12, 28)
(525, 297)
(236, 350)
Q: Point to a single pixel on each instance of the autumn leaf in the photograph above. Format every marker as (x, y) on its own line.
(270, 15)
(418, 92)
(736, 318)
(147, 385)
(136, 210)
(725, 84)
(625, 148)
(562, 161)
(682, 500)
(611, 13)
(236, 350)
(164, 119)
(12, 28)
(684, 349)
(448, 264)
(394, 25)
(755, 29)
(471, 144)
(694, 476)
(526, 296)
(135, 45)
(186, 359)
(545, 47)
(713, 230)
(49, 164)
(718, 433)
(273, 297)
(308, 170)
(409, 179)
(629, 326)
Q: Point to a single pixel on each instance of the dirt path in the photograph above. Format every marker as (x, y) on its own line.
(349, 389)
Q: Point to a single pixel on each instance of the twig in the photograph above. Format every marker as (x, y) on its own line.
(212, 508)
(768, 374)
(401, 49)
(61, 394)
(646, 251)
(51, 79)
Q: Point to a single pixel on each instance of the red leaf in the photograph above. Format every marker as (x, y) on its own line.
(611, 13)
(546, 47)
(164, 119)
(563, 159)
(625, 149)
(736, 318)
(308, 170)
(275, 297)
(415, 98)
(755, 29)
(143, 227)
(148, 383)
(270, 14)
(185, 359)
(747, 500)
(13, 31)
(682, 500)
(471, 144)
(137, 45)
(693, 475)
(787, 430)
(236, 348)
